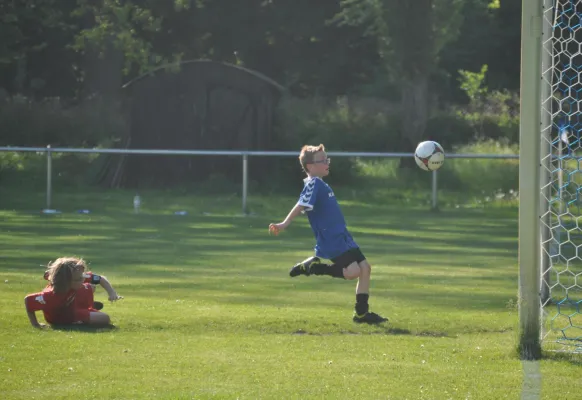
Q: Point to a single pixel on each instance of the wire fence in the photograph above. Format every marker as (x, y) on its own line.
(244, 162)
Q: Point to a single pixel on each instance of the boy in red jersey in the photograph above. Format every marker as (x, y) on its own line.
(68, 298)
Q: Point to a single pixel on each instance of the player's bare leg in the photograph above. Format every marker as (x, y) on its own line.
(362, 313)
(98, 319)
(363, 285)
(352, 271)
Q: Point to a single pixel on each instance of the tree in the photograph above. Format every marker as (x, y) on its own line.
(123, 25)
(289, 42)
(410, 36)
(34, 56)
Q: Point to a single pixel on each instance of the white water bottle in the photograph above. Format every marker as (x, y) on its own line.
(136, 203)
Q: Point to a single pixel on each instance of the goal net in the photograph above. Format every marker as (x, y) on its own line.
(561, 175)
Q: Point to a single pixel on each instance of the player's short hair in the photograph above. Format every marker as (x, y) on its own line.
(63, 270)
(307, 155)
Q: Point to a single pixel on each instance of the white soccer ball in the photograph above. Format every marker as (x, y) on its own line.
(429, 155)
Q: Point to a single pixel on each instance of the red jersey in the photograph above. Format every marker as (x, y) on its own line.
(67, 308)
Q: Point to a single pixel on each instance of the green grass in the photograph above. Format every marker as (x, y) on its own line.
(210, 312)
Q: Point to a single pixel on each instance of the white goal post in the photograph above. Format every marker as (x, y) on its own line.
(550, 217)
(529, 179)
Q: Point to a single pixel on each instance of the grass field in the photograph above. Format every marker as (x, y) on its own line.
(210, 311)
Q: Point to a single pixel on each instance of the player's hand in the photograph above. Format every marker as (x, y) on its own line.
(275, 229)
(115, 297)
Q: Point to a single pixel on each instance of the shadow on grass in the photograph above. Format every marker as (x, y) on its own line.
(380, 330)
(165, 239)
(218, 255)
(84, 328)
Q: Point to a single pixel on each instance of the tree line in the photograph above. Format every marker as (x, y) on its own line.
(427, 56)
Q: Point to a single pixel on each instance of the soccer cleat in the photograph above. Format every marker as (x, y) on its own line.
(303, 268)
(369, 318)
(97, 305)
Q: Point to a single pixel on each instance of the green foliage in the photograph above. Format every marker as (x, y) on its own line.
(449, 129)
(492, 114)
(342, 125)
(383, 48)
(496, 117)
(473, 83)
(373, 124)
(486, 36)
(11, 161)
(296, 44)
(378, 47)
(409, 35)
(495, 4)
(490, 177)
(448, 17)
(467, 182)
(121, 24)
(369, 125)
(21, 21)
(95, 122)
(23, 170)
(361, 126)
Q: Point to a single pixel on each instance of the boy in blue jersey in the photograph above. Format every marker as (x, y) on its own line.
(333, 241)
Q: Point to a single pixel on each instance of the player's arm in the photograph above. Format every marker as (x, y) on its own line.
(95, 279)
(295, 211)
(105, 284)
(33, 321)
(31, 310)
(306, 202)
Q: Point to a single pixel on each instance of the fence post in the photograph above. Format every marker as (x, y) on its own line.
(49, 176)
(435, 200)
(245, 182)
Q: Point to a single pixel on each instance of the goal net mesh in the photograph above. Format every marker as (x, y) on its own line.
(561, 175)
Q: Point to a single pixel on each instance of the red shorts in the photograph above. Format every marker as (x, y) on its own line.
(82, 315)
(79, 312)
(83, 305)
(74, 316)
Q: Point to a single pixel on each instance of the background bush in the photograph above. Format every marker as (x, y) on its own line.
(342, 124)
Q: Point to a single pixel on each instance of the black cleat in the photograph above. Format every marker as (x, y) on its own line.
(303, 268)
(97, 305)
(369, 318)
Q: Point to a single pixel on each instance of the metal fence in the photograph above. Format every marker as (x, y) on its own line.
(243, 154)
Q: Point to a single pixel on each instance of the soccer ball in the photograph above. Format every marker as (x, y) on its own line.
(429, 155)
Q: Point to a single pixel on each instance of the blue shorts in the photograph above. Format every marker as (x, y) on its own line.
(330, 246)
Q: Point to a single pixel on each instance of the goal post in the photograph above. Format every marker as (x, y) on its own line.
(550, 175)
(529, 241)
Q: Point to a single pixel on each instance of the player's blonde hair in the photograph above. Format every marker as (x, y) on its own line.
(63, 270)
(307, 155)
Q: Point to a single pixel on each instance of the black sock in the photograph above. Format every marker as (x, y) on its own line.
(362, 303)
(326, 269)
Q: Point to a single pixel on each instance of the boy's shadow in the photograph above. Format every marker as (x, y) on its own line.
(84, 328)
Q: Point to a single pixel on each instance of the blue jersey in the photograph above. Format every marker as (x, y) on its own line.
(326, 219)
